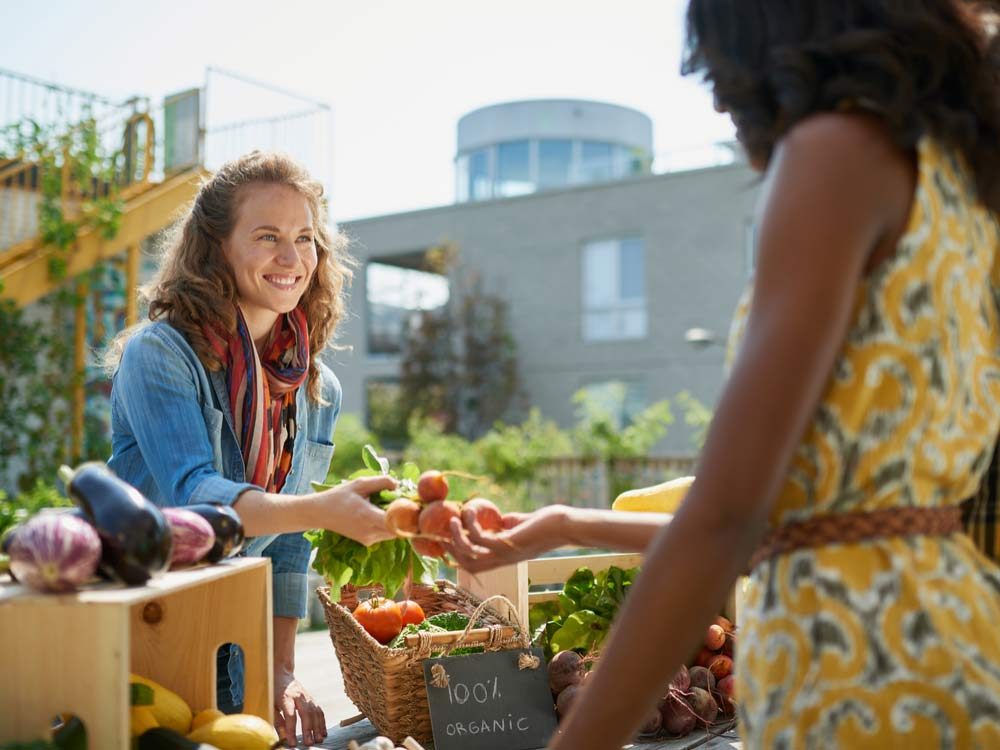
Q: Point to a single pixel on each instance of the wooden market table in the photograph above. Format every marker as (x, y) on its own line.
(72, 653)
(338, 738)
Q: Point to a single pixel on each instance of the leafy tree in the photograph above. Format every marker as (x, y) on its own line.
(459, 365)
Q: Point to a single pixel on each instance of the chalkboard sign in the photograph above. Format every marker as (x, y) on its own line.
(488, 702)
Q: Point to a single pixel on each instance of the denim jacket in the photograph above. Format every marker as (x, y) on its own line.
(172, 437)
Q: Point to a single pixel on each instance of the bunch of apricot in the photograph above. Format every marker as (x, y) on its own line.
(426, 519)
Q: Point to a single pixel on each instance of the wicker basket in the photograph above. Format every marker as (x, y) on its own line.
(387, 684)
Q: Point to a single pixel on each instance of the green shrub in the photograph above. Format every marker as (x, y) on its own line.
(15, 510)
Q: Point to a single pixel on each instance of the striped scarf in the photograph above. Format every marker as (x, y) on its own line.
(262, 389)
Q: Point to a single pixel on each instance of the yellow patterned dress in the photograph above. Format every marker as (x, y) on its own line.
(893, 643)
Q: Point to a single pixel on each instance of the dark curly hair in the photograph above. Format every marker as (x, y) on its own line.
(923, 66)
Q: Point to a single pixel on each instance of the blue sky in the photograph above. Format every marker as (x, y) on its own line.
(397, 73)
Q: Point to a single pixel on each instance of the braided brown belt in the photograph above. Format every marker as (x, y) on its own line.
(859, 526)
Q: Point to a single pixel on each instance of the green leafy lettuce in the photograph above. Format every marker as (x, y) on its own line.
(581, 619)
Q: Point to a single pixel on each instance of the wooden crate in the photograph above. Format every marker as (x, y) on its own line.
(513, 581)
(73, 653)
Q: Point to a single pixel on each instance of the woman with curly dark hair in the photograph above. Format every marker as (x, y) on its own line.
(221, 396)
(863, 403)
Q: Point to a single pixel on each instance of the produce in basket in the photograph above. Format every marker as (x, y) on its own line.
(412, 612)
(380, 618)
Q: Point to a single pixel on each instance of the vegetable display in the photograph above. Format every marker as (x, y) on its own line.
(135, 536)
(573, 629)
(115, 533)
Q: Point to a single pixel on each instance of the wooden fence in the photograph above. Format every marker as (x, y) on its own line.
(594, 483)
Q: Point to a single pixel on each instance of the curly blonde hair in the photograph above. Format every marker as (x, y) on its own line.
(195, 287)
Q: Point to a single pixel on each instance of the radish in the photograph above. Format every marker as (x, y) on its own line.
(565, 669)
(434, 523)
(652, 725)
(682, 680)
(678, 717)
(729, 646)
(566, 700)
(485, 513)
(704, 657)
(401, 517)
(702, 678)
(704, 705)
(726, 692)
(721, 666)
(715, 637)
(432, 485)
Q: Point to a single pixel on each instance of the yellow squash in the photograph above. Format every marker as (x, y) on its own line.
(665, 497)
(206, 716)
(168, 708)
(236, 732)
(142, 719)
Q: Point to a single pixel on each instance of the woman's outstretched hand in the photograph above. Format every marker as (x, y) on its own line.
(347, 510)
(524, 536)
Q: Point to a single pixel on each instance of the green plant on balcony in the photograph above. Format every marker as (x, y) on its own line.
(77, 190)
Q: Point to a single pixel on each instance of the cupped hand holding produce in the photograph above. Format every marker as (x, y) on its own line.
(347, 509)
(524, 536)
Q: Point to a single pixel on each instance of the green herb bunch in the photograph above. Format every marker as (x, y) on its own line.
(344, 561)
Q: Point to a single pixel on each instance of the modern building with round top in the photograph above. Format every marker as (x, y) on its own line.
(516, 148)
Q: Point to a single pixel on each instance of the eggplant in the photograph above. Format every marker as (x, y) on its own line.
(55, 552)
(193, 536)
(226, 524)
(135, 536)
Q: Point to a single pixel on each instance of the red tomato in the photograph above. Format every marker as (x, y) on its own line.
(381, 618)
(413, 613)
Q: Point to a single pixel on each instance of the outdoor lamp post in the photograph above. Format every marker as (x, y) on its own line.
(700, 338)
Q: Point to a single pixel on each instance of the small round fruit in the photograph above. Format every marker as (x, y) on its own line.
(402, 516)
(411, 612)
(427, 547)
(565, 669)
(432, 485)
(715, 637)
(435, 519)
(486, 514)
(380, 618)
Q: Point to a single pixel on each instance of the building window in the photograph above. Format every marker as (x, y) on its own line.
(480, 181)
(620, 400)
(514, 169)
(395, 297)
(614, 296)
(596, 161)
(555, 160)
